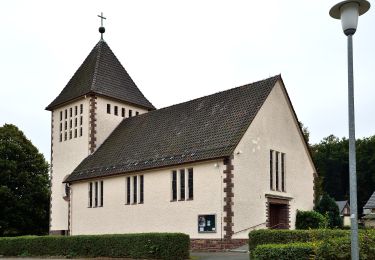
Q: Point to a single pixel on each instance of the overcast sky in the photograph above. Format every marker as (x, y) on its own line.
(179, 50)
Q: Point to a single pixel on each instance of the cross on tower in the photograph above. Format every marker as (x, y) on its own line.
(101, 28)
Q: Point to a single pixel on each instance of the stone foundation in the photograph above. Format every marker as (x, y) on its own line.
(216, 245)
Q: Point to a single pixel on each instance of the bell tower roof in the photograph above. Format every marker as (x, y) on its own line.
(102, 73)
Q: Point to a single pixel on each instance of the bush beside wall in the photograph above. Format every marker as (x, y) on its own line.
(310, 219)
(301, 251)
(146, 245)
(273, 236)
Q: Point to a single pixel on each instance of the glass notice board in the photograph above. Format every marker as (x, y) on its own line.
(207, 223)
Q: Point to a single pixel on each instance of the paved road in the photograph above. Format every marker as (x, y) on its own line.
(219, 256)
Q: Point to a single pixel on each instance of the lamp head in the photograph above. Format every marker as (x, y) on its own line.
(348, 11)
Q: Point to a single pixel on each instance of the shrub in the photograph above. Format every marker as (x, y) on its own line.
(310, 219)
(273, 236)
(301, 251)
(145, 245)
(328, 207)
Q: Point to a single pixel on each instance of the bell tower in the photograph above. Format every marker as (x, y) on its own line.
(96, 99)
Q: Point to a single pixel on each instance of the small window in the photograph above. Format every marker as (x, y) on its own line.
(75, 122)
(182, 184)
(136, 113)
(81, 108)
(60, 137)
(75, 132)
(65, 136)
(70, 134)
(70, 123)
(61, 115)
(283, 172)
(128, 185)
(123, 112)
(141, 189)
(80, 120)
(174, 185)
(277, 170)
(60, 127)
(75, 110)
(96, 195)
(190, 184)
(70, 112)
(101, 194)
(66, 125)
(271, 169)
(130, 113)
(116, 111)
(134, 189)
(90, 195)
(108, 108)
(80, 131)
(66, 113)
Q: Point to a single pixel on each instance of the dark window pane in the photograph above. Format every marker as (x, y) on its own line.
(130, 113)
(81, 108)
(137, 113)
(108, 108)
(174, 185)
(271, 169)
(134, 189)
(96, 194)
(277, 170)
(191, 184)
(80, 120)
(80, 131)
(141, 189)
(283, 172)
(182, 184)
(75, 110)
(66, 113)
(128, 190)
(60, 115)
(116, 110)
(60, 137)
(70, 112)
(101, 193)
(123, 112)
(90, 194)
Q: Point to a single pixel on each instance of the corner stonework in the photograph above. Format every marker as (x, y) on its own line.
(92, 125)
(228, 198)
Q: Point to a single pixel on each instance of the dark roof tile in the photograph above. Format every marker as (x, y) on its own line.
(102, 73)
(201, 129)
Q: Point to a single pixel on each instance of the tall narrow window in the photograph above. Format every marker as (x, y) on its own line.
(65, 136)
(60, 137)
(60, 115)
(271, 169)
(66, 113)
(66, 125)
(80, 120)
(116, 111)
(96, 194)
(70, 112)
(60, 127)
(75, 122)
(90, 194)
(283, 172)
(80, 131)
(108, 108)
(101, 194)
(75, 110)
(190, 183)
(174, 185)
(277, 170)
(123, 112)
(130, 113)
(70, 123)
(141, 189)
(128, 190)
(137, 113)
(75, 132)
(70, 134)
(134, 189)
(81, 108)
(182, 184)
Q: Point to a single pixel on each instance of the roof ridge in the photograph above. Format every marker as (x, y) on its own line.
(92, 87)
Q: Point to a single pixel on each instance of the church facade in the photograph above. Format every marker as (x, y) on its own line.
(214, 168)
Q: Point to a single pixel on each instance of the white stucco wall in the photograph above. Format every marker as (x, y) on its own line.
(106, 123)
(157, 213)
(66, 155)
(274, 127)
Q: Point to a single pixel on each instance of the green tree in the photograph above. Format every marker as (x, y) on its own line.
(24, 185)
(328, 207)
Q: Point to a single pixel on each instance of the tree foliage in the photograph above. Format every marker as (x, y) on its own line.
(331, 158)
(24, 185)
(328, 207)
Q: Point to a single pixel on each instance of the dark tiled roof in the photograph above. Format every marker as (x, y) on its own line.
(371, 202)
(102, 73)
(341, 204)
(205, 128)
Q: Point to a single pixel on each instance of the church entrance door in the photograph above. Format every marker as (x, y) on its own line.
(278, 215)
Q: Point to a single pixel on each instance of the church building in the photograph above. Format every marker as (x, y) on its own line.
(214, 168)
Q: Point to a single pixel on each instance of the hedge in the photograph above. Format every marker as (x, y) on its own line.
(310, 219)
(302, 251)
(274, 236)
(145, 245)
(329, 248)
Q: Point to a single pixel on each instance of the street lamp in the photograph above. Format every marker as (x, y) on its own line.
(348, 12)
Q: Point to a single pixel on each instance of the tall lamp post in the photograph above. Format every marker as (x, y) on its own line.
(348, 12)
